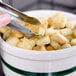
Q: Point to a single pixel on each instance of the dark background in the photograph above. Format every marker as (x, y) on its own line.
(25, 5)
(1, 72)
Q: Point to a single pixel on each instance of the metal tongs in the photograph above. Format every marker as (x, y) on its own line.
(17, 15)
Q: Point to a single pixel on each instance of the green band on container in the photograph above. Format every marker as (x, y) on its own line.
(26, 73)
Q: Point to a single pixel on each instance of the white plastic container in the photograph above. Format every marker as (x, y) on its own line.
(21, 62)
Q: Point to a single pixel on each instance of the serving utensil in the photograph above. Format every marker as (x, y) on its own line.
(18, 15)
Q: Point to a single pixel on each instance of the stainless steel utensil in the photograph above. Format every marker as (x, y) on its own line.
(16, 14)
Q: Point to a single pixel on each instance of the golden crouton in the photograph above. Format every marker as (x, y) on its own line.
(39, 48)
(57, 21)
(73, 42)
(51, 31)
(6, 34)
(55, 45)
(4, 29)
(26, 43)
(44, 40)
(12, 40)
(66, 46)
(31, 42)
(22, 45)
(44, 22)
(66, 31)
(71, 24)
(74, 32)
(16, 33)
(69, 37)
(49, 48)
(59, 38)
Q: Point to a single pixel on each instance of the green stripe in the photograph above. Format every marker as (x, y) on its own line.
(25, 73)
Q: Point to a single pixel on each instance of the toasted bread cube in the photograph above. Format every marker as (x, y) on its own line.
(51, 31)
(37, 29)
(57, 21)
(66, 31)
(44, 22)
(35, 38)
(66, 46)
(26, 43)
(6, 34)
(43, 41)
(29, 41)
(41, 31)
(55, 45)
(12, 40)
(4, 29)
(59, 38)
(69, 37)
(74, 32)
(73, 42)
(39, 48)
(22, 45)
(49, 48)
(71, 24)
(16, 33)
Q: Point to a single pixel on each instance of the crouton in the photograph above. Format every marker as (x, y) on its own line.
(71, 24)
(4, 29)
(6, 34)
(55, 45)
(49, 48)
(59, 38)
(39, 48)
(16, 33)
(65, 46)
(44, 40)
(26, 43)
(57, 21)
(12, 40)
(73, 42)
(66, 31)
(44, 22)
